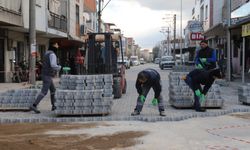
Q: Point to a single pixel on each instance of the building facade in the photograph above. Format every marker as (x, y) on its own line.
(55, 20)
(213, 14)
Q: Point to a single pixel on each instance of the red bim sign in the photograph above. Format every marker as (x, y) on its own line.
(196, 36)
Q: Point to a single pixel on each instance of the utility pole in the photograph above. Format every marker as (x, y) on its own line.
(99, 15)
(168, 41)
(181, 34)
(100, 9)
(229, 41)
(32, 40)
(174, 35)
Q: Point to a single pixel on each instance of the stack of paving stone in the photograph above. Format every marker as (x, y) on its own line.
(183, 68)
(244, 94)
(181, 96)
(84, 95)
(19, 99)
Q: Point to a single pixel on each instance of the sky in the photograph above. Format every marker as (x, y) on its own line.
(143, 19)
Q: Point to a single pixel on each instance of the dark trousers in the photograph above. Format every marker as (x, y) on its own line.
(47, 85)
(190, 83)
(145, 91)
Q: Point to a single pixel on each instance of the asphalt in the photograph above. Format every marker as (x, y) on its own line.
(123, 107)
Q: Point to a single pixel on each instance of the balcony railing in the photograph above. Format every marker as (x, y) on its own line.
(11, 6)
(58, 22)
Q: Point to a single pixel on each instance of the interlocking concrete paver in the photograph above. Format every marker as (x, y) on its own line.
(123, 107)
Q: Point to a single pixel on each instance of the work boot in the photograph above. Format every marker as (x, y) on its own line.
(201, 110)
(33, 108)
(53, 108)
(162, 113)
(135, 113)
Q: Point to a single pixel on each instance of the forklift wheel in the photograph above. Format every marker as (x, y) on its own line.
(117, 91)
(124, 90)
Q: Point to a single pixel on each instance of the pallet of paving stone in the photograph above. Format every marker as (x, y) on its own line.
(244, 94)
(181, 96)
(90, 101)
(18, 99)
(86, 82)
(84, 95)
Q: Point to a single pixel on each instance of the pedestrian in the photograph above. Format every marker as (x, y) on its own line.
(205, 57)
(79, 60)
(145, 80)
(49, 70)
(198, 77)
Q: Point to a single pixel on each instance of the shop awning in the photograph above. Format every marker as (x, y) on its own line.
(216, 30)
(65, 42)
(240, 23)
(184, 50)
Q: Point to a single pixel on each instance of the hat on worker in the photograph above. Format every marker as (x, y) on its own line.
(204, 41)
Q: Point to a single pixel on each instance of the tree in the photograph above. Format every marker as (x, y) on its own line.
(156, 50)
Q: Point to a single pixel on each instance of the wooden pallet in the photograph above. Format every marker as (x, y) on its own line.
(83, 115)
(9, 109)
(208, 107)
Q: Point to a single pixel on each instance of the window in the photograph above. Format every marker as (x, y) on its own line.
(77, 15)
(38, 3)
(20, 53)
(206, 12)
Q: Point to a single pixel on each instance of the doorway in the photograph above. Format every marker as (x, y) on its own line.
(2, 78)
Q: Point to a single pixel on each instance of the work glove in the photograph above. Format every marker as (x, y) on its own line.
(202, 98)
(199, 66)
(200, 95)
(203, 60)
(142, 98)
(155, 101)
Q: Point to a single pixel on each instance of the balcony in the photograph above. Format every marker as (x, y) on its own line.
(11, 13)
(58, 22)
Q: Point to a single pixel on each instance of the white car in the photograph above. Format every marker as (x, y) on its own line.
(166, 62)
(134, 60)
(142, 61)
(126, 62)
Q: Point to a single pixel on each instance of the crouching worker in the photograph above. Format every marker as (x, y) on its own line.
(145, 80)
(199, 77)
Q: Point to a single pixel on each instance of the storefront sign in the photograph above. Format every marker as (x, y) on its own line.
(196, 36)
(246, 30)
(33, 50)
(195, 26)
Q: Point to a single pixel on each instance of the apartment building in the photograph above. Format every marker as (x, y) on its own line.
(89, 16)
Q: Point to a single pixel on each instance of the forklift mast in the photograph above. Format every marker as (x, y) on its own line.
(102, 51)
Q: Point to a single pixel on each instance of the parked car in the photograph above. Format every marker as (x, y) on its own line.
(166, 62)
(125, 60)
(157, 60)
(142, 61)
(134, 60)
